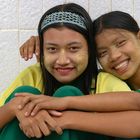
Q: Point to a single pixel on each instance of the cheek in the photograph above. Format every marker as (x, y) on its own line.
(82, 60)
(48, 61)
(103, 62)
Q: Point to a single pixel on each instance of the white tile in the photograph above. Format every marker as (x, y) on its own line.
(99, 7)
(8, 14)
(30, 12)
(47, 4)
(123, 5)
(9, 66)
(137, 11)
(8, 39)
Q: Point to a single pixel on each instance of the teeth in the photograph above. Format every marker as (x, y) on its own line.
(123, 64)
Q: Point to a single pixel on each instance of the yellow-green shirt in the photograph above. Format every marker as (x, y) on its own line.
(32, 76)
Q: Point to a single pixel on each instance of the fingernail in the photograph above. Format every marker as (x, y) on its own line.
(32, 114)
(26, 114)
(19, 106)
(61, 133)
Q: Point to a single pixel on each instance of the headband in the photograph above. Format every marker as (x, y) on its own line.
(63, 17)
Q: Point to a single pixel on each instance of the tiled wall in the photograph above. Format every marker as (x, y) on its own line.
(19, 20)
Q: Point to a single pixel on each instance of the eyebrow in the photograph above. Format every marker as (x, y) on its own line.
(50, 43)
(54, 44)
(75, 42)
(113, 41)
(101, 48)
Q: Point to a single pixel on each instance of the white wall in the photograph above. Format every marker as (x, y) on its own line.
(19, 20)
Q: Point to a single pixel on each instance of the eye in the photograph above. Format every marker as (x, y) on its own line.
(74, 48)
(121, 43)
(102, 53)
(51, 49)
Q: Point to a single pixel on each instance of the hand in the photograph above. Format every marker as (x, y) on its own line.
(39, 125)
(30, 47)
(13, 104)
(34, 103)
(8, 111)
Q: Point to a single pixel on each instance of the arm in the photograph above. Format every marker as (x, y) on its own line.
(8, 111)
(106, 102)
(119, 124)
(32, 126)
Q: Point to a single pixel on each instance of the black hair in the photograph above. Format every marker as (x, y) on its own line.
(115, 19)
(85, 79)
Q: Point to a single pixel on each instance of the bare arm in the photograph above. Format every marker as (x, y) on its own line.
(8, 111)
(119, 124)
(106, 102)
(35, 126)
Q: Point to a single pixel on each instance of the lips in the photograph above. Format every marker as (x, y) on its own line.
(121, 67)
(64, 71)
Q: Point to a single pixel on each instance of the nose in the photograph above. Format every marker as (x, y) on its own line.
(115, 54)
(62, 59)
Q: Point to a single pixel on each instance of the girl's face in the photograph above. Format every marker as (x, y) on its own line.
(119, 52)
(65, 53)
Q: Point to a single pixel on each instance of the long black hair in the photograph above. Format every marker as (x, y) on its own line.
(85, 79)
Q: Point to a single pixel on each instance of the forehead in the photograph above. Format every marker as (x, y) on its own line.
(110, 35)
(62, 34)
(113, 32)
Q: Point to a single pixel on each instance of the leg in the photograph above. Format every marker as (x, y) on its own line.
(11, 131)
(73, 134)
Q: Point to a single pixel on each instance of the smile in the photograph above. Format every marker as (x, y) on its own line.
(64, 71)
(121, 67)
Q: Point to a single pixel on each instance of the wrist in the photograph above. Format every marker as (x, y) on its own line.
(70, 104)
(67, 120)
(13, 105)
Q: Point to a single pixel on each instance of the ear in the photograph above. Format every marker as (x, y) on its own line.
(138, 34)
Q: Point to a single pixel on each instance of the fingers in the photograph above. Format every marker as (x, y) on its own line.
(37, 108)
(39, 125)
(32, 129)
(27, 98)
(44, 129)
(30, 47)
(37, 48)
(55, 113)
(37, 131)
(23, 51)
(30, 107)
(53, 125)
(24, 102)
(28, 133)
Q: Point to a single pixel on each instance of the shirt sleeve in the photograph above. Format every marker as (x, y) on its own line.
(31, 76)
(108, 83)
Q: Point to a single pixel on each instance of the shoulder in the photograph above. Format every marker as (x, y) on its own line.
(33, 69)
(105, 76)
(107, 82)
(31, 76)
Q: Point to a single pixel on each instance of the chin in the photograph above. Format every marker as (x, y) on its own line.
(64, 81)
(124, 77)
